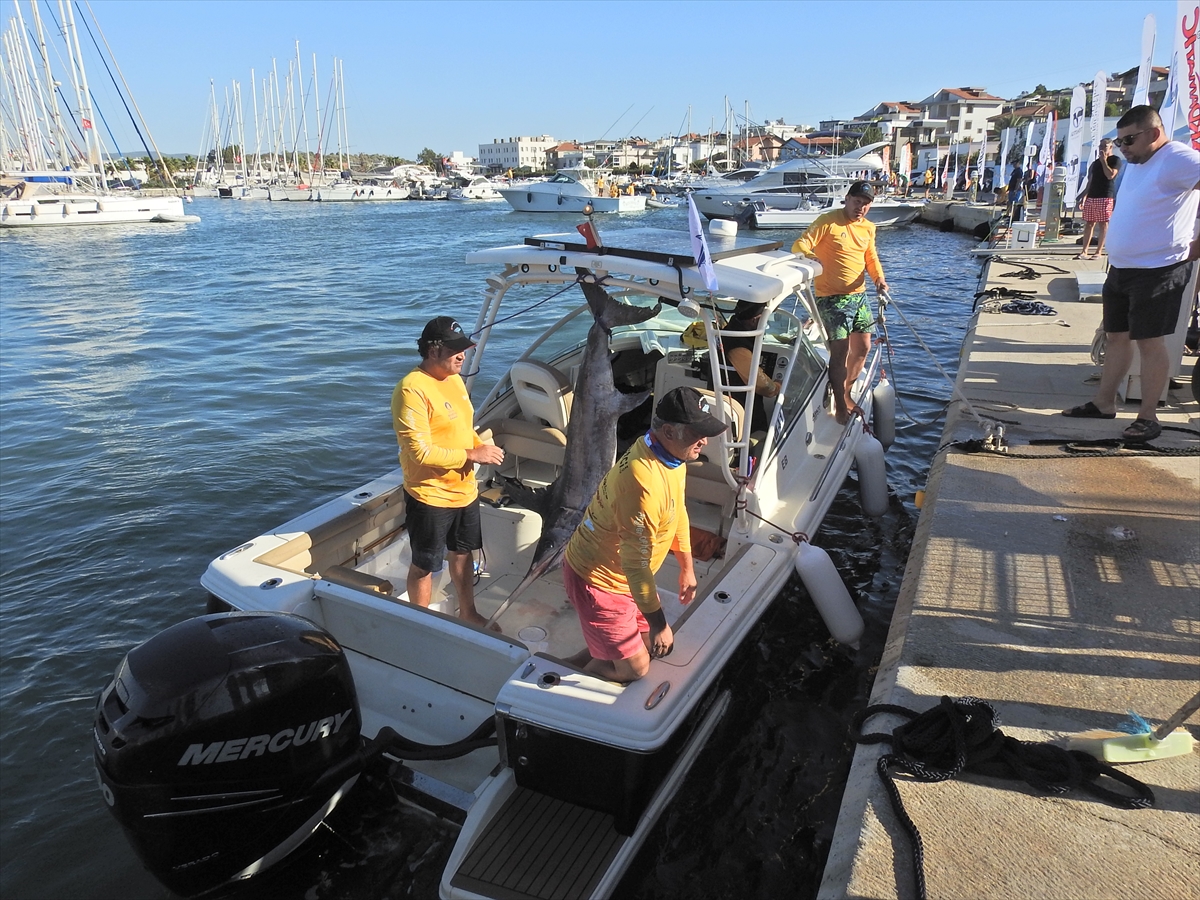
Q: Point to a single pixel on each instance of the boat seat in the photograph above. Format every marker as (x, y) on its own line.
(543, 392)
(732, 413)
(526, 440)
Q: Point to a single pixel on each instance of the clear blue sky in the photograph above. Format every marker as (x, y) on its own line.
(449, 75)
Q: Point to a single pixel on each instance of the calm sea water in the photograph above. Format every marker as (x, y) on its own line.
(168, 391)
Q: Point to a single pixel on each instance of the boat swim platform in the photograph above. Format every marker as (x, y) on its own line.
(1064, 592)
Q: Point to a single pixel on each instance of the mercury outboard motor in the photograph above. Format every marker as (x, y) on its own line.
(223, 742)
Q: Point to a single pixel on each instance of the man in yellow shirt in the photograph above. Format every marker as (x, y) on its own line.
(843, 241)
(637, 515)
(439, 448)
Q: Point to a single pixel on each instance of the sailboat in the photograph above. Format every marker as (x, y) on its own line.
(51, 175)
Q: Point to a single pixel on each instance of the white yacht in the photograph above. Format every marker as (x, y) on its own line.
(885, 212)
(556, 775)
(801, 180)
(570, 190)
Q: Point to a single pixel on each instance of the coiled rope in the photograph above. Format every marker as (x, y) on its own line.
(958, 736)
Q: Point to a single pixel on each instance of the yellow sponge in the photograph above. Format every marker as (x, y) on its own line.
(1119, 747)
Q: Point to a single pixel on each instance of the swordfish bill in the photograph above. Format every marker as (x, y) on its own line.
(591, 436)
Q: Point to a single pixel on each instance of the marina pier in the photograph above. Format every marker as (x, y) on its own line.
(1059, 582)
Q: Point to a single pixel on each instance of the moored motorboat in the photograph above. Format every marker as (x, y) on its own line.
(885, 212)
(558, 775)
(569, 191)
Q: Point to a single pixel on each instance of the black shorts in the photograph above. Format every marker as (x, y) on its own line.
(432, 530)
(1144, 302)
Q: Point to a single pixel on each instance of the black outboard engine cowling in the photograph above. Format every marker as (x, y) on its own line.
(223, 742)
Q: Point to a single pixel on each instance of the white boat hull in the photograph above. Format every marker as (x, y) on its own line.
(76, 209)
(530, 200)
(884, 215)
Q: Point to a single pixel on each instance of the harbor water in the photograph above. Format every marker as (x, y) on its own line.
(168, 391)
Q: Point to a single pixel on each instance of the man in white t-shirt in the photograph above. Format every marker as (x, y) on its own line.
(1152, 242)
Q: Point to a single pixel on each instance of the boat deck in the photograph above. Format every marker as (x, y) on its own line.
(539, 847)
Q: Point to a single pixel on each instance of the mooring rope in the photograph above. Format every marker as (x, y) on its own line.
(958, 736)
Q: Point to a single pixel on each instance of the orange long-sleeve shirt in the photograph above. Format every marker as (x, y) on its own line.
(433, 424)
(846, 251)
(636, 516)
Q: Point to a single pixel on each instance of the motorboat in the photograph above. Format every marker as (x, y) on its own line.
(570, 190)
(885, 212)
(555, 775)
(804, 179)
(478, 187)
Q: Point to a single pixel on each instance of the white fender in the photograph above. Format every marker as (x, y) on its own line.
(883, 412)
(872, 476)
(829, 594)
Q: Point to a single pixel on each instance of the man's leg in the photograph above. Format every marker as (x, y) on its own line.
(859, 347)
(420, 585)
(1155, 372)
(1086, 241)
(621, 670)
(1118, 357)
(462, 575)
(1101, 234)
(838, 351)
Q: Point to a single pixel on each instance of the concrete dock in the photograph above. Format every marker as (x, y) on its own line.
(1065, 591)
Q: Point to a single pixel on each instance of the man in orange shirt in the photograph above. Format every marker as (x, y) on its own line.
(439, 448)
(843, 241)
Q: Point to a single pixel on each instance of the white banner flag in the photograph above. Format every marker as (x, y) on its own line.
(998, 177)
(1099, 99)
(1074, 147)
(1181, 83)
(1141, 93)
(1187, 25)
(700, 247)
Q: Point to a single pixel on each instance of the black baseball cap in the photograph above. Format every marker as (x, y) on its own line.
(687, 406)
(861, 189)
(447, 332)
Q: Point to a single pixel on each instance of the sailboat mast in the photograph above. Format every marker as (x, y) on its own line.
(57, 136)
(303, 111)
(85, 97)
(345, 121)
(320, 122)
(257, 135)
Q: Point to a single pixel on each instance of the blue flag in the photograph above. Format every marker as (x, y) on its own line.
(700, 247)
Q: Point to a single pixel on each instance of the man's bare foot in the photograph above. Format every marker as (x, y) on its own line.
(475, 618)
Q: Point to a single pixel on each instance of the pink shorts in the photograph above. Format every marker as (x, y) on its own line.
(612, 624)
(1097, 209)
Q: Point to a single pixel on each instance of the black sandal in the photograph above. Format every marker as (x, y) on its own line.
(1088, 410)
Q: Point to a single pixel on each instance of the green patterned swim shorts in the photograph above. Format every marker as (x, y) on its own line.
(844, 314)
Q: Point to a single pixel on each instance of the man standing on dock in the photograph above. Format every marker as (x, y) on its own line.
(439, 447)
(1151, 246)
(843, 241)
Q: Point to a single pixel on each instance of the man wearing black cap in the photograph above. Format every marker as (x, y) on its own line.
(843, 241)
(637, 515)
(439, 448)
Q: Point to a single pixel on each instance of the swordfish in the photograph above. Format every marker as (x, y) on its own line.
(591, 436)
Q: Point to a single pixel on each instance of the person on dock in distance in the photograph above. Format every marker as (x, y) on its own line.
(1098, 201)
(1151, 248)
(843, 241)
(637, 515)
(439, 447)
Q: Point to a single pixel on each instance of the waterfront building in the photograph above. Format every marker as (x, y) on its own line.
(516, 153)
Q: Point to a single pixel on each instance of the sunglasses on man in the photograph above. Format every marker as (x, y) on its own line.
(1127, 140)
